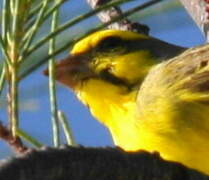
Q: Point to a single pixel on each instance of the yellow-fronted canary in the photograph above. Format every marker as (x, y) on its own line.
(151, 95)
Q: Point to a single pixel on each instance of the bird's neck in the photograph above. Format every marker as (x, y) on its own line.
(111, 105)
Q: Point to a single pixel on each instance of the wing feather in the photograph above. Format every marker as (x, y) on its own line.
(184, 78)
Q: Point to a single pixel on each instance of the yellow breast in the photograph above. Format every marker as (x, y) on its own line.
(165, 130)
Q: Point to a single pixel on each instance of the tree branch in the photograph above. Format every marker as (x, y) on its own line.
(199, 11)
(125, 24)
(79, 163)
(14, 142)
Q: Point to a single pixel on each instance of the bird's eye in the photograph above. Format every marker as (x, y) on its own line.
(109, 43)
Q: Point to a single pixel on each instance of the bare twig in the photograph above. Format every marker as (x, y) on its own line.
(14, 142)
(125, 24)
(199, 10)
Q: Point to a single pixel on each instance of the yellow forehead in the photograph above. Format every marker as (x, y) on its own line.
(92, 40)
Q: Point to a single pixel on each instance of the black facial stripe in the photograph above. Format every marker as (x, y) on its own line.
(106, 75)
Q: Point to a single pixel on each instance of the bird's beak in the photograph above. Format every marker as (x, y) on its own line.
(72, 70)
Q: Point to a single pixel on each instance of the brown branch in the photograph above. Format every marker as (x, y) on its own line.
(199, 11)
(14, 142)
(125, 24)
(79, 163)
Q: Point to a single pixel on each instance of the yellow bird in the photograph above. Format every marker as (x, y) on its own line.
(145, 101)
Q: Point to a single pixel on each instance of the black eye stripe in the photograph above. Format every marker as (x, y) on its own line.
(111, 78)
(106, 75)
(109, 43)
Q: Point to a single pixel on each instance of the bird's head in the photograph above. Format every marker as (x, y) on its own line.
(113, 58)
(117, 57)
(106, 70)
